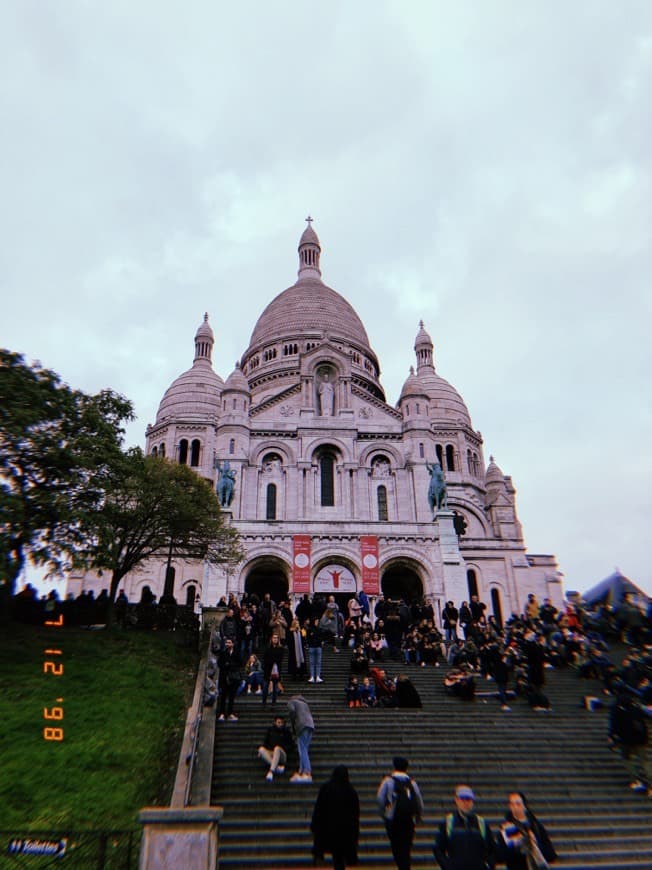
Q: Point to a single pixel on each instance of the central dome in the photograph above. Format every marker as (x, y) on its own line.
(309, 306)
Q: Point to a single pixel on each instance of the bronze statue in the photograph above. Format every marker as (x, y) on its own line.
(225, 487)
(437, 496)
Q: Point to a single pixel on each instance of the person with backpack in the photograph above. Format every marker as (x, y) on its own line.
(401, 806)
(464, 840)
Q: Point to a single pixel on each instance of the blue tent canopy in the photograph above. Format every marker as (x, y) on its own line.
(612, 590)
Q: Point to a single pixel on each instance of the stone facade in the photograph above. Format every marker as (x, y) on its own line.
(322, 462)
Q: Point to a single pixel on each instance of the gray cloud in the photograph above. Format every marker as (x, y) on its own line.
(485, 167)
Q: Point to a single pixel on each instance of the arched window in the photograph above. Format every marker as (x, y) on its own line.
(472, 582)
(450, 457)
(170, 574)
(161, 450)
(469, 462)
(421, 450)
(497, 609)
(382, 504)
(327, 470)
(440, 454)
(232, 445)
(191, 592)
(270, 509)
(183, 451)
(154, 451)
(194, 453)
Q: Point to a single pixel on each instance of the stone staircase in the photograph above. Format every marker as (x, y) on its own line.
(576, 786)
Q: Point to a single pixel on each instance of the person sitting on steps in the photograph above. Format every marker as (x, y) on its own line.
(275, 747)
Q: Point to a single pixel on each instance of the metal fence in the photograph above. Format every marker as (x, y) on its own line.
(82, 850)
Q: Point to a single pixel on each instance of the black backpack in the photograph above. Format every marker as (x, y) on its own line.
(404, 800)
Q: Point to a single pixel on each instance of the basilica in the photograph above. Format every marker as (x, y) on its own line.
(331, 488)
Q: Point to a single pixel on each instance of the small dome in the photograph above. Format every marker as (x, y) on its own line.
(423, 338)
(412, 387)
(494, 475)
(236, 381)
(309, 237)
(194, 395)
(446, 404)
(204, 330)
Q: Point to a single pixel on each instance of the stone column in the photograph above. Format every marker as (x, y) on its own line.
(184, 837)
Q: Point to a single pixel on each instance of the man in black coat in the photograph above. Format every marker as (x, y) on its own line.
(230, 677)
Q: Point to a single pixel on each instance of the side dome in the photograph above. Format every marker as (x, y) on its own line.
(194, 395)
(446, 404)
(412, 387)
(494, 476)
(236, 381)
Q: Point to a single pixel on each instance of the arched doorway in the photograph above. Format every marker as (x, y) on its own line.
(401, 580)
(268, 575)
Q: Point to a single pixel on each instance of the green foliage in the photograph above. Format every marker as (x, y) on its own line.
(56, 446)
(154, 507)
(124, 699)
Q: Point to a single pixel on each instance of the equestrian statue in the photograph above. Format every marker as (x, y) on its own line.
(225, 487)
(437, 497)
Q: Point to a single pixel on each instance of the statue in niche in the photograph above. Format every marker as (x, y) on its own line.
(225, 487)
(272, 465)
(437, 496)
(326, 396)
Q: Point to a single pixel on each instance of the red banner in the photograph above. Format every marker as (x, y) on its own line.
(301, 564)
(370, 571)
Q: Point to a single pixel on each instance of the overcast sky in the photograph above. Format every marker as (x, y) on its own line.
(483, 166)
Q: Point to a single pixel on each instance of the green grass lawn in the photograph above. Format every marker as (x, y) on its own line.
(125, 695)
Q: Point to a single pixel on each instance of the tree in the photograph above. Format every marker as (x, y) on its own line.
(154, 507)
(56, 447)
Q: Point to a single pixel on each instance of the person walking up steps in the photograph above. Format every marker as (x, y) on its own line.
(401, 806)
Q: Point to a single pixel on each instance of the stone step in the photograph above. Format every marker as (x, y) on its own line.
(577, 787)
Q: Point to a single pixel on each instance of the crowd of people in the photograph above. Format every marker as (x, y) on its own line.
(88, 609)
(463, 839)
(268, 643)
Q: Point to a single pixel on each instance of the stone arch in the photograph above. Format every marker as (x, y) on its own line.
(326, 458)
(267, 573)
(338, 559)
(191, 589)
(403, 577)
(395, 457)
(471, 513)
(287, 458)
(336, 444)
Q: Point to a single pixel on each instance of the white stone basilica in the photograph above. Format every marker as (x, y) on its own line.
(330, 481)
